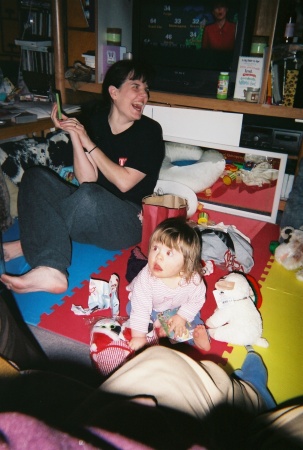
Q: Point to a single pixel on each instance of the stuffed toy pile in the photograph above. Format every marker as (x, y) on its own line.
(236, 319)
(290, 252)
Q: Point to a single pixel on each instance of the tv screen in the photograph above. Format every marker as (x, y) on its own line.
(190, 42)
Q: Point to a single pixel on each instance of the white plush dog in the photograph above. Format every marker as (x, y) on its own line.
(236, 319)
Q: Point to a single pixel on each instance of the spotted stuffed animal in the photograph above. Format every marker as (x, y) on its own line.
(290, 252)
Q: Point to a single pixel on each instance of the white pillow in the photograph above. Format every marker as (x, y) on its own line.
(206, 169)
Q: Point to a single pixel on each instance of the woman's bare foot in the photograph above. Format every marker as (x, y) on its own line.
(201, 338)
(12, 250)
(41, 278)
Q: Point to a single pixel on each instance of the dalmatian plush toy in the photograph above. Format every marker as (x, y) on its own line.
(109, 347)
(290, 251)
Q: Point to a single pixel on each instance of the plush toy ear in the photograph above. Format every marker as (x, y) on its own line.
(256, 290)
(286, 234)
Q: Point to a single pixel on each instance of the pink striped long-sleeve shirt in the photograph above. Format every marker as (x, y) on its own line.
(149, 293)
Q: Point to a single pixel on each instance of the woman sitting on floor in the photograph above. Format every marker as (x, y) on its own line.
(116, 161)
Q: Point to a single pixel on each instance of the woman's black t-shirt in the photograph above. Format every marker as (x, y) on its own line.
(140, 147)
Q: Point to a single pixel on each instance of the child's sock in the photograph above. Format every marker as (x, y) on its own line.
(254, 371)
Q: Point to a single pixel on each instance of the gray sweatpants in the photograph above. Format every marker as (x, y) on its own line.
(53, 213)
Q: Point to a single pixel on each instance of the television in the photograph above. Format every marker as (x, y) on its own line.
(169, 35)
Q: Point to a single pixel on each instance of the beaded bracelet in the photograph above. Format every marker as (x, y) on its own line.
(86, 151)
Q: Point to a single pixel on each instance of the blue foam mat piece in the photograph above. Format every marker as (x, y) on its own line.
(86, 260)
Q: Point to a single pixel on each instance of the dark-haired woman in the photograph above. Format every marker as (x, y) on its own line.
(116, 161)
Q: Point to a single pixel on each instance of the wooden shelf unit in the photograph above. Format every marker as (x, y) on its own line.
(39, 127)
(265, 25)
(188, 101)
(266, 8)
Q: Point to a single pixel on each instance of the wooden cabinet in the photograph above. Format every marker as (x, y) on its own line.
(31, 129)
(265, 25)
(72, 37)
(80, 40)
(80, 37)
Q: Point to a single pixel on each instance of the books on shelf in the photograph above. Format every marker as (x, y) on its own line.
(36, 4)
(35, 44)
(89, 58)
(25, 117)
(36, 18)
(290, 86)
(249, 74)
(37, 55)
(40, 62)
(39, 49)
(276, 83)
(39, 109)
(108, 55)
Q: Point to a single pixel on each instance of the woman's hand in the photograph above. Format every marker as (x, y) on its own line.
(85, 170)
(124, 178)
(54, 116)
(177, 324)
(72, 126)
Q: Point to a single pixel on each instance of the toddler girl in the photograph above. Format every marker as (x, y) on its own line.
(170, 285)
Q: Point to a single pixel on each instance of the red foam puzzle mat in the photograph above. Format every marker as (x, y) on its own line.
(64, 322)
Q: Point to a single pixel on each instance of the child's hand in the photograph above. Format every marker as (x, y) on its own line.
(137, 342)
(159, 329)
(177, 324)
(160, 332)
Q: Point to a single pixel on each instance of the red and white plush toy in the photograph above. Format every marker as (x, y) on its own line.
(109, 347)
(290, 252)
(236, 319)
(109, 340)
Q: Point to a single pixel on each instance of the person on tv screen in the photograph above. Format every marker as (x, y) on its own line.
(219, 35)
